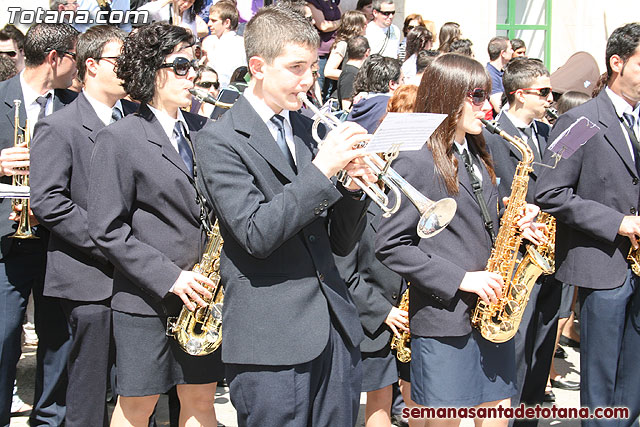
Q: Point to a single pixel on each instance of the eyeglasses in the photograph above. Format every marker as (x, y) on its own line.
(63, 52)
(386, 12)
(207, 85)
(9, 53)
(112, 58)
(541, 91)
(478, 96)
(181, 65)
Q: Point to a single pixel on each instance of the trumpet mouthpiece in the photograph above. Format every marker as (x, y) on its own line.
(302, 96)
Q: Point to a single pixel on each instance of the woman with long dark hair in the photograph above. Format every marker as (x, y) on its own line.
(446, 271)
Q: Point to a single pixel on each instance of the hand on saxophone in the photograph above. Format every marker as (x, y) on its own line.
(189, 288)
(14, 160)
(487, 285)
(398, 320)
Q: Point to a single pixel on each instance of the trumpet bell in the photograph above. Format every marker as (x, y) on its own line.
(436, 217)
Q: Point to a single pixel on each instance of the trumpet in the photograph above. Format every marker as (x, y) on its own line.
(434, 215)
(24, 230)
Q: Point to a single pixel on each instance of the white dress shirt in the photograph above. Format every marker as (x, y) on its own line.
(476, 168)
(168, 123)
(33, 108)
(266, 113)
(621, 106)
(103, 111)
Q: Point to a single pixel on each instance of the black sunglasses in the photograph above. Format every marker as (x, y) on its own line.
(386, 12)
(9, 53)
(63, 52)
(541, 91)
(478, 96)
(207, 85)
(181, 65)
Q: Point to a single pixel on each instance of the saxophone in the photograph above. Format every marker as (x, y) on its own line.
(634, 260)
(401, 344)
(499, 322)
(199, 332)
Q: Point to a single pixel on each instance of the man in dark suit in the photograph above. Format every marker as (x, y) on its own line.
(595, 195)
(289, 322)
(527, 85)
(77, 272)
(50, 67)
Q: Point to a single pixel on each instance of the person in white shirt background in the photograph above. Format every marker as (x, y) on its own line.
(227, 53)
(383, 36)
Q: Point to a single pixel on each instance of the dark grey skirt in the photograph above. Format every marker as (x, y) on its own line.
(461, 371)
(148, 362)
(378, 369)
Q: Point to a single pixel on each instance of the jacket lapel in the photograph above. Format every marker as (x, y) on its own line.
(156, 135)
(248, 122)
(14, 91)
(614, 134)
(88, 117)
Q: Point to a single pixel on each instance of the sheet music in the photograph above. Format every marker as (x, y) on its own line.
(14, 191)
(409, 130)
(573, 137)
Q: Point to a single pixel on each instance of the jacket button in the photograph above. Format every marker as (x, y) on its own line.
(312, 238)
(632, 210)
(317, 211)
(325, 203)
(635, 181)
(394, 296)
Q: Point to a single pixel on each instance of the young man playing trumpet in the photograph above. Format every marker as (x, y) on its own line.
(291, 331)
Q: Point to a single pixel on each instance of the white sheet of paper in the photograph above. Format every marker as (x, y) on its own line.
(409, 130)
(14, 191)
(573, 137)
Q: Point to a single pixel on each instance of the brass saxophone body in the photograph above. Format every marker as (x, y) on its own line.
(499, 322)
(199, 332)
(634, 260)
(402, 343)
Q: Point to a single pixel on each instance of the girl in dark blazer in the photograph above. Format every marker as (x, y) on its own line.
(452, 365)
(145, 217)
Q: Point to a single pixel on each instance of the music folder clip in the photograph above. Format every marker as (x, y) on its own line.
(571, 139)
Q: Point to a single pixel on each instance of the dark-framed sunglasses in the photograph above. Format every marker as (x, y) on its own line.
(181, 65)
(9, 53)
(478, 96)
(113, 58)
(540, 91)
(386, 12)
(207, 85)
(63, 52)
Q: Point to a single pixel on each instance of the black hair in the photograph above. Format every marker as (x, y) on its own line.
(11, 32)
(496, 46)
(376, 73)
(44, 38)
(7, 68)
(91, 44)
(142, 56)
(571, 99)
(424, 58)
(520, 73)
(357, 47)
(622, 42)
(462, 46)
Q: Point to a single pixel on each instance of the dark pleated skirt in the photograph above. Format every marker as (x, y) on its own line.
(149, 362)
(378, 369)
(461, 371)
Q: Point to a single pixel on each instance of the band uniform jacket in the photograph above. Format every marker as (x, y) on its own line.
(506, 157)
(589, 194)
(143, 213)
(279, 229)
(375, 289)
(11, 90)
(435, 266)
(60, 157)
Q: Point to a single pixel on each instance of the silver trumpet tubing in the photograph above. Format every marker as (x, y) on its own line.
(434, 215)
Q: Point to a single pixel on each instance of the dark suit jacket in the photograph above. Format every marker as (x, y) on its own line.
(60, 159)
(375, 289)
(10, 90)
(142, 211)
(279, 228)
(436, 266)
(589, 194)
(506, 157)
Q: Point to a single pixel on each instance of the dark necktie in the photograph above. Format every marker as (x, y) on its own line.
(42, 102)
(528, 132)
(116, 114)
(278, 120)
(629, 123)
(468, 163)
(183, 146)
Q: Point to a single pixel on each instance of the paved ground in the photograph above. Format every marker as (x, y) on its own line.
(226, 413)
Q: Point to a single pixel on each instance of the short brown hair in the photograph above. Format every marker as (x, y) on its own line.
(226, 10)
(272, 28)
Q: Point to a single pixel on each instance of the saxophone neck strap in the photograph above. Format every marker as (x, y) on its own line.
(476, 185)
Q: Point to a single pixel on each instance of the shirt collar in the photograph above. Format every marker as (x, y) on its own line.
(462, 147)
(264, 111)
(103, 111)
(519, 123)
(28, 94)
(620, 105)
(167, 122)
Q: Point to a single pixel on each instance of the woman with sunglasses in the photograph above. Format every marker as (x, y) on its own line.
(145, 215)
(451, 365)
